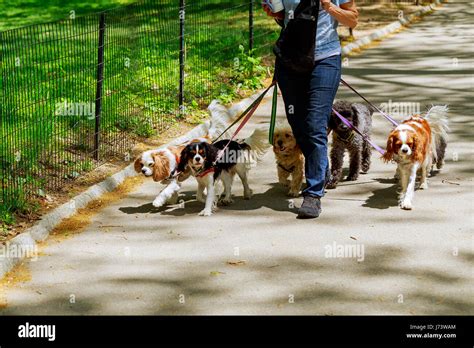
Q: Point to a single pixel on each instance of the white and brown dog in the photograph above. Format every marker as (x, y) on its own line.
(416, 145)
(161, 165)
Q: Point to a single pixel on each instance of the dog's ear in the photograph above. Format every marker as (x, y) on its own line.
(161, 166)
(388, 156)
(417, 150)
(211, 154)
(183, 159)
(332, 122)
(138, 165)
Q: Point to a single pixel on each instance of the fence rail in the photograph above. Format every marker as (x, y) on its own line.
(77, 91)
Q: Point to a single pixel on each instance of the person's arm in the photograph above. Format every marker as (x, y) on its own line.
(346, 14)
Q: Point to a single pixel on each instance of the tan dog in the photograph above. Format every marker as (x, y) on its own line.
(289, 159)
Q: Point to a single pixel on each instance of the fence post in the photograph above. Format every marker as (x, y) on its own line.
(182, 16)
(251, 25)
(98, 94)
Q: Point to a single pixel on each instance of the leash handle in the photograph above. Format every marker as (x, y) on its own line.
(390, 119)
(354, 128)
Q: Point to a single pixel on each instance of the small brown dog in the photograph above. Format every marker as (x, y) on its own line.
(289, 159)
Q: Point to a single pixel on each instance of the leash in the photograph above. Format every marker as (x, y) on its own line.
(355, 129)
(246, 115)
(390, 119)
(271, 130)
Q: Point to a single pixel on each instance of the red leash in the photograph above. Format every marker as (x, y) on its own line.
(244, 121)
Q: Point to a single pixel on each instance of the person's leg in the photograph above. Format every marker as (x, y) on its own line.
(294, 90)
(324, 83)
(308, 102)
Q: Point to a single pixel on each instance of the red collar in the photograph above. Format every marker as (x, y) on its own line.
(207, 171)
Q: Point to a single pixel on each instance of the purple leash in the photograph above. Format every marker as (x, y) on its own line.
(354, 128)
(390, 119)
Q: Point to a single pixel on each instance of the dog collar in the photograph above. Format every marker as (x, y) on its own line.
(207, 171)
(287, 170)
(347, 139)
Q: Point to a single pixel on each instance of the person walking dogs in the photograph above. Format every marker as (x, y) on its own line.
(309, 95)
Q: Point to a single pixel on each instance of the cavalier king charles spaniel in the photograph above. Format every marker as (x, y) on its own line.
(202, 162)
(161, 165)
(416, 145)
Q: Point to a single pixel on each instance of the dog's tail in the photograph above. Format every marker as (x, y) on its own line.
(220, 118)
(258, 144)
(437, 117)
(237, 108)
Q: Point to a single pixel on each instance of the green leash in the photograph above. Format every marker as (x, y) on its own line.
(271, 131)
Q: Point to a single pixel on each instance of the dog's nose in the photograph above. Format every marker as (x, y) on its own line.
(197, 159)
(343, 127)
(280, 142)
(143, 170)
(404, 150)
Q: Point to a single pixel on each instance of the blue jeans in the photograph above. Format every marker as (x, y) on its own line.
(308, 101)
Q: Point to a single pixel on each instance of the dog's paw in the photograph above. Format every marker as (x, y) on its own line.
(406, 205)
(205, 212)
(158, 202)
(248, 194)
(331, 185)
(293, 193)
(226, 201)
(352, 177)
(424, 186)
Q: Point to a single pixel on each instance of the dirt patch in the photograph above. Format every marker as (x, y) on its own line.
(76, 223)
(66, 229)
(18, 275)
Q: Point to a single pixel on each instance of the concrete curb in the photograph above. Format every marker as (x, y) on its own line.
(23, 245)
(388, 29)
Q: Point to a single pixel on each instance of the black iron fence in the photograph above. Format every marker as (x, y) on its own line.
(77, 91)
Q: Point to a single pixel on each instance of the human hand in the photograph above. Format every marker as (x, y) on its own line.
(277, 15)
(325, 4)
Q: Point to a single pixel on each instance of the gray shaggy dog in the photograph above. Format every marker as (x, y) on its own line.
(360, 115)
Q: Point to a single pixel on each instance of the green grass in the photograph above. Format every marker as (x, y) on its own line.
(56, 63)
(20, 13)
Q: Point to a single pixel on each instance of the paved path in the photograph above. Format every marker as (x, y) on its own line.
(155, 259)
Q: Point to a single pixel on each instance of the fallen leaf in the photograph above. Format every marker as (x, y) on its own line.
(237, 262)
(450, 182)
(216, 273)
